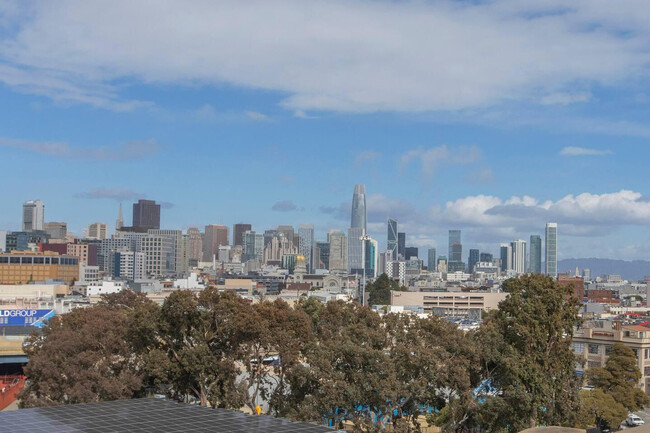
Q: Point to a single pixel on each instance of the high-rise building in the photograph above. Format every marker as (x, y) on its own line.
(119, 223)
(289, 234)
(213, 237)
(535, 260)
(146, 214)
(456, 252)
(454, 238)
(391, 243)
(472, 260)
(56, 230)
(411, 253)
(338, 260)
(370, 256)
(97, 231)
(170, 257)
(129, 265)
(401, 246)
(238, 231)
(306, 245)
(33, 216)
(486, 257)
(194, 246)
(358, 216)
(506, 257)
(518, 256)
(253, 246)
(431, 262)
(355, 250)
(324, 250)
(357, 229)
(551, 249)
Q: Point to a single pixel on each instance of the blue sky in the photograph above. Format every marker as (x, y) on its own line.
(491, 117)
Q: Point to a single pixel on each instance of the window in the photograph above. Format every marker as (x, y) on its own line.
(4, 259)
(578, 347)
(594, 349)
(14, 260)
(608, 348)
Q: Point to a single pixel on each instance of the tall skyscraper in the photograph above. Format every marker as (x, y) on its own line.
(401, 246)
(338, 250)
(454, 237)
(238, 231)
(518, 256)
(506, 257)
(391, 243)
(472, 260)
(306, 245)
(357, 229)
(551, 249)
(214, 236)
(358, 216)
(431, 259)
(119, 223)
(33, 216)
(535, 261)
(146, 214)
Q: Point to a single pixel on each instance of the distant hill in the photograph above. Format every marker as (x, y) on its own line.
(634, 270)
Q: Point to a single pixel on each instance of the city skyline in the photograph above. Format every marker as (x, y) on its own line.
(496, 152)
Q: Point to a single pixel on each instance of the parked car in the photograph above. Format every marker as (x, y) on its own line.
(633, 420)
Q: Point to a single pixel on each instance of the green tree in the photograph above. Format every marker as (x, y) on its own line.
(197, 343)
(600, 409)
(620, 377)
(527, 358)
(83, 356)
(379, 290)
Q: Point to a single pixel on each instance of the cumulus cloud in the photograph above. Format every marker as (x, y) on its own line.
(583, 151)
(355, 56)
(603, 211)
(284, 206)
(117, 194)
(133, 149)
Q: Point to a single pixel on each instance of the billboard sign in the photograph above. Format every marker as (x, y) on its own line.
(25, 317)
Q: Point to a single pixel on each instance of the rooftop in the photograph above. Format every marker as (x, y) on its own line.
(146, 415)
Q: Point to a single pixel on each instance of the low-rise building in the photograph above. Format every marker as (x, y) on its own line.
(594, 344)
(448, 303)
(21, 267)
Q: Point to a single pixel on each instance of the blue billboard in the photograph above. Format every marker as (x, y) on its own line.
(25, 317)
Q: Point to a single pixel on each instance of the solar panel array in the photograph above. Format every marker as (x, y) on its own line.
(145, 415)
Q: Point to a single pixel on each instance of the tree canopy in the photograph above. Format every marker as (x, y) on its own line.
(337, 362)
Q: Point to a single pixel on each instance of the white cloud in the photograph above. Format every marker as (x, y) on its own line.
(256, 115)
(134, 149)
(356, 56)
(366, 156)
(431, 159)
(583, 151)
(563, 98)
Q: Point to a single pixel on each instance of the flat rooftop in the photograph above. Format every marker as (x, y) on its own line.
(146, 415)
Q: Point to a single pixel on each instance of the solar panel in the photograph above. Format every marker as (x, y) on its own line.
(145, 415)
